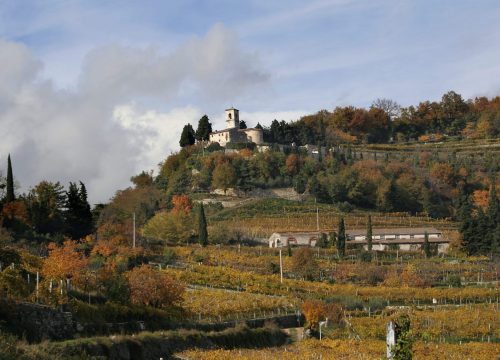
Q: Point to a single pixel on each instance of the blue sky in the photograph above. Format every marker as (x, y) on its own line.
(136, 71)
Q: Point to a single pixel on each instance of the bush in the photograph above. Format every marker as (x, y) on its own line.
(240, 146)
(454, 281)
(365, 256)
(215, 146)
(169, 255)
(345, 207)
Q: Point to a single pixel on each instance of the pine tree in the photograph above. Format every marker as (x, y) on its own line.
(202, 227)
(187, 136)
(369, 233)
(77, 215)
(341, 237)
(10, 182)
(204, 129)
(427, 247)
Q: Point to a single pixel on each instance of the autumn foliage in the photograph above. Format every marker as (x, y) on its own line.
(316, 311)
(153, 288)
(65, 262)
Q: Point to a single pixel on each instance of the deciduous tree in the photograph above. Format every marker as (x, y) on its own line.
(153, 288)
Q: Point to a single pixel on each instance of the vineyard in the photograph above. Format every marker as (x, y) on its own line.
(260, 218)
(351, 349)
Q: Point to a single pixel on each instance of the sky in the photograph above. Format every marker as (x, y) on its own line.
(99, 90)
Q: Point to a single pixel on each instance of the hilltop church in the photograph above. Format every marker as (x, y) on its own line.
(234, 134)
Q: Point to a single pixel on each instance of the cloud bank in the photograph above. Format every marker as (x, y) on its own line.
(110, 126)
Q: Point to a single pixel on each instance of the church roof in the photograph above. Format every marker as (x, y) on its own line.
(232, 108)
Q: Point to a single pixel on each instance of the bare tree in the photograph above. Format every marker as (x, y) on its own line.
(391, 107)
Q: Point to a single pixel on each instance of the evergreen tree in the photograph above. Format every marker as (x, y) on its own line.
(467, 226)
(202, 227)
(427, 247)
(341, 238)
(243, 124)
(187, 136)
(333, 238)
(323, 241)
(204, 129)
(10, 182)
(77, 215)
(484, 237)
(369, 233)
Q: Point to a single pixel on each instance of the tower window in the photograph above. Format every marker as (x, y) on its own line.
(230, 116)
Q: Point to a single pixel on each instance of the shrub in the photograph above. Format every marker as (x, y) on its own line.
(169, 255)
(454, 281)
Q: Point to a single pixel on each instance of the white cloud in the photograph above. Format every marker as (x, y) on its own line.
(94, 133)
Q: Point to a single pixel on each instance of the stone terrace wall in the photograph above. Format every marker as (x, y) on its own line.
(37, 322)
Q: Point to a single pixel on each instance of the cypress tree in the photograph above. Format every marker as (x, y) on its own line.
(427, 247)
(369, 233)
(341, 237)
(204, 129)
(10, 182)
(187, 136)
(202, 227)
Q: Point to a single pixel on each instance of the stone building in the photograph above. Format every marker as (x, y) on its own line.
(234, 134)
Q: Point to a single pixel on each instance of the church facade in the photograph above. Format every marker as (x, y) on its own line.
(234, 134)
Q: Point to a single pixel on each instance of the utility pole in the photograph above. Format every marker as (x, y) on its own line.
(133, 235)
(281, 268)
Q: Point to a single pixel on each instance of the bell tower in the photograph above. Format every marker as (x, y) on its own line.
(232, 118)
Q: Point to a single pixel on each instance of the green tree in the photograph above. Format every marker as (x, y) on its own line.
(243, 124)
(369, 233)
(187, 136)
(45, 204)
(403, 350)
(10, 182)
(223, 176)
(323, 241)
(341, 238)
(427, 246)
(202, 227)
(78, 216)
(204, 129)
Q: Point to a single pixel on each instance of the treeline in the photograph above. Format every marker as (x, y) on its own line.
(387, 121)
(47, 212)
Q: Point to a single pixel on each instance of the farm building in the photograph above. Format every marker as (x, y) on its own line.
(406, 238)
(294, 239)
(382, 239)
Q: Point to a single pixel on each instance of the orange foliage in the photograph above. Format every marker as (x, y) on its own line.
(246, 153)
(15, 210)
(116, 234)
(103, 248)
(65, 262)
(481, 198)
(443, 173)
(153, 288)
(292, 164)
(181, 203)
(316, 311)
